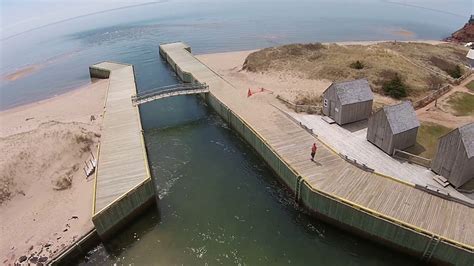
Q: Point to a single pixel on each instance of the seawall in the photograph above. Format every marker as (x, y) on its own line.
(385, 225)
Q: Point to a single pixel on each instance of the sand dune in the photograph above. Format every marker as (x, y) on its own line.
(45, 199)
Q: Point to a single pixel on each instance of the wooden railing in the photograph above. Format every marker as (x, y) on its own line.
(411, 158)
(431, 97)
(169, 91)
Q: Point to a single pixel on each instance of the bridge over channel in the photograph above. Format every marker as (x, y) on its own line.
(169, 91)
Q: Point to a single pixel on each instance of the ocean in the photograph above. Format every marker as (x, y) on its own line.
(192, 152)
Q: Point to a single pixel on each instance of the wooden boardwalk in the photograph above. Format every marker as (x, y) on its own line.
(122, 162)
(351, 140)
(382, 196)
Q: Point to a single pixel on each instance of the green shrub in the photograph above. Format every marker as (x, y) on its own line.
(357, 65)
(456, 72)
(395, 87)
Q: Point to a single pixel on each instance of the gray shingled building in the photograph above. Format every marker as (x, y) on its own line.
(347, 102)
(455, 156)
(393, 127)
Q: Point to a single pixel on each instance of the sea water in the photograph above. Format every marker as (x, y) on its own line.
(218, 202)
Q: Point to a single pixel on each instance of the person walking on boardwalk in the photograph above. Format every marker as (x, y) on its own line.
(313, 151)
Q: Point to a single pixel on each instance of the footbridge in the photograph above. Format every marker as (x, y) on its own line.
(169, 91)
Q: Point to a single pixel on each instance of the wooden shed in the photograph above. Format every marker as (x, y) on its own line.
(455, 156)
(347, 102)
(393, 127)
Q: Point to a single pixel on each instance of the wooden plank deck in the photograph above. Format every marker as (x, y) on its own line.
(351, 141)
(122, 161)
(331, 174)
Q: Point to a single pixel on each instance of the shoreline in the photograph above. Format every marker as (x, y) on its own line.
(356, 42)
(72, 111)
(47, 142)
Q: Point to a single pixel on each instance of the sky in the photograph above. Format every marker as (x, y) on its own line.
(19, 16)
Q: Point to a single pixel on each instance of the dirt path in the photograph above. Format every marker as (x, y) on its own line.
(441, 114)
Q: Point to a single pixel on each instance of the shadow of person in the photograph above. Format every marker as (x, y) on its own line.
(317, 164)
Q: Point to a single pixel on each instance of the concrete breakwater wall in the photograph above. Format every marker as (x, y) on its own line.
(349, 215)
(346, 215)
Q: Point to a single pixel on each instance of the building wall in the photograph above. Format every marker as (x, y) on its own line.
(329, 98)
(403, 140)
(451, 160)
(379, 132)
(355, 112)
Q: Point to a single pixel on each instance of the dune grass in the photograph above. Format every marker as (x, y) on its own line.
(470, 86)
(427, 139)
(462, 103)
(380, 62)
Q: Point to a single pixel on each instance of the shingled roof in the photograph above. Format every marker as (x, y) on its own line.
(353, 91)
(467, 136)
(470, 54)
(401, 117)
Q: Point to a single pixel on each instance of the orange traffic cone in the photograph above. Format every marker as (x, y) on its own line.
(249, 93)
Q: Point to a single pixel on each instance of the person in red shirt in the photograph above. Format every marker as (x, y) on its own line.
(313, 151)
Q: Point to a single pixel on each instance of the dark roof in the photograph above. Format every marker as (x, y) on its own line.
(353, 91)
(401, 117)
(467, 136)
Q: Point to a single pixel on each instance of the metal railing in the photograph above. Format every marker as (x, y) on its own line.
(169, 91)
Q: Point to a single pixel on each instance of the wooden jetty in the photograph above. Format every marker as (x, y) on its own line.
(380, 207)
(123, 184)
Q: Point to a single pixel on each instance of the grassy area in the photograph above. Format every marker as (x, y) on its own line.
(462, 103)
(378, 63)
(427, 139)
(470, 86)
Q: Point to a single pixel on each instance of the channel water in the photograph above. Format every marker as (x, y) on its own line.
(218, 201)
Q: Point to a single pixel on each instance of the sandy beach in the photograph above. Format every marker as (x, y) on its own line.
(292, 85)
(46, 200)
(288, 84)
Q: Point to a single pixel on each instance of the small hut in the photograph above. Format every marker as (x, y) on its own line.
(347, 102)
(455, 156)
(470, 57)
(393, 127)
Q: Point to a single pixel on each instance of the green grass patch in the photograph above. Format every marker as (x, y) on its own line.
(470, 86)
(462, 103)
(427, 139)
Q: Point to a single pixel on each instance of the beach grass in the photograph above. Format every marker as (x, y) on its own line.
(412, 61)
(427, 139)
(470, 86)
(462, 103)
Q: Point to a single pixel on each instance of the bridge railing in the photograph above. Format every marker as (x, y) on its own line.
(169, 90)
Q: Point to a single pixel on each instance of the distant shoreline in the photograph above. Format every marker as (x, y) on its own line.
(21, 73)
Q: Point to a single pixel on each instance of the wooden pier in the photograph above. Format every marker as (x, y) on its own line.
(381, 207)
(122, 179)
